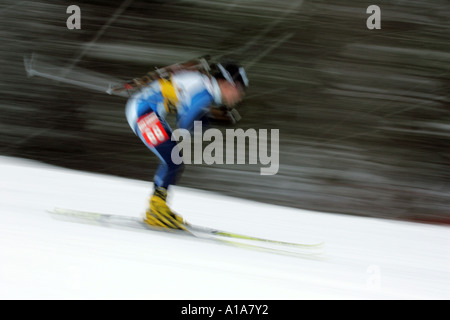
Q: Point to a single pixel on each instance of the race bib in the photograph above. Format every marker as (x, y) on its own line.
(152, 129)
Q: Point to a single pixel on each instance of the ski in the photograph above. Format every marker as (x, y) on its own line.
(227, 234)
(224, 237)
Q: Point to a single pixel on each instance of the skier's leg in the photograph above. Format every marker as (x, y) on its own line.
(167, 174)
(155, 133)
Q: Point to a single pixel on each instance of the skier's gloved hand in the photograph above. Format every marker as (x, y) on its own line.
(231, 114)
(234, 115)
(225, 114)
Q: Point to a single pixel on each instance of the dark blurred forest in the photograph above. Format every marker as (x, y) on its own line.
(363, 114)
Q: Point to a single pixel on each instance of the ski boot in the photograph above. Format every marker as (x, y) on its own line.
(160, 215)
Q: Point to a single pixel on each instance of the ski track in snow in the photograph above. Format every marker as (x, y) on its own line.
(43, 258)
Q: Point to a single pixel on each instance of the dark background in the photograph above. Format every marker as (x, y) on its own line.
(363, 114)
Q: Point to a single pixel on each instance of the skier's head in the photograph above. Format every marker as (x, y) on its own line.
(232, 81)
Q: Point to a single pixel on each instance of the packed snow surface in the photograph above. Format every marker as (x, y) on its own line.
(45, 258)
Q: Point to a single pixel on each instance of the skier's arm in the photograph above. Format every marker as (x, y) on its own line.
(198, 108)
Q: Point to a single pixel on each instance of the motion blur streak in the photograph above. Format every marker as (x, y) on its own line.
(362, 114)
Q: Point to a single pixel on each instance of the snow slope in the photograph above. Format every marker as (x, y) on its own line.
(43, 258)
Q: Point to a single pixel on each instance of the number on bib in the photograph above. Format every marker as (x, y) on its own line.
(152, 130)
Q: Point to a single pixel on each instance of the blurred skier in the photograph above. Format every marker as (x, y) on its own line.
(191, 95)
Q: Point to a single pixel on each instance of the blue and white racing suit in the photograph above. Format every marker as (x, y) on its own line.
(190, 95)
